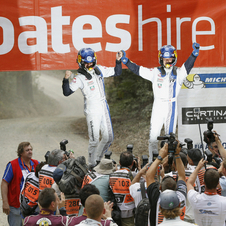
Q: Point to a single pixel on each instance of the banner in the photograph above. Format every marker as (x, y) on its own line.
(202, 92)
(46, 35)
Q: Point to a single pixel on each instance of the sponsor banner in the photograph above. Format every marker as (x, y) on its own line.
(202, 99)
(46, 35)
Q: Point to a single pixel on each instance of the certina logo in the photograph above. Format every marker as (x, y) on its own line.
(217, 114)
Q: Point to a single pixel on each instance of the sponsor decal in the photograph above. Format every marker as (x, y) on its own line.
(74, 80)
(92, 88)
(207, 212)
(217, 114)
(159, 85)
(44, 222)
(199, 81)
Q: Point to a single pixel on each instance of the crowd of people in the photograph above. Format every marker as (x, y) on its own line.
(178, 186)
(188, 191)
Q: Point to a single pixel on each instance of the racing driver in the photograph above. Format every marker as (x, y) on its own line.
(90, 79)
(166, 83)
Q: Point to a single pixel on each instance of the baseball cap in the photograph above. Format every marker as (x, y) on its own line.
(195, 155)
(169, 199)
(58, 172)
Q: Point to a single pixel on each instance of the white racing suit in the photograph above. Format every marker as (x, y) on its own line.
(166, 89)
(96, 108)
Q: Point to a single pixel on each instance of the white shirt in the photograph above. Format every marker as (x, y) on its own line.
(92, 222)
(135, 192)
(175, 222)
(162, 86)
(92, 90)
(209, 210)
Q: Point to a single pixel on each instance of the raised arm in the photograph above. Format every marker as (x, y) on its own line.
(220, 146)
(193, 176)
(150, 175)
(132, 66)
(179, 164)
(65, 84)
(189, 64)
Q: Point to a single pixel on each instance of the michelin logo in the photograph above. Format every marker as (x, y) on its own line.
(196, 83)
(200, 81)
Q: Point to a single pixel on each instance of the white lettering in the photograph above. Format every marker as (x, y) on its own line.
(178, 24)
(8, 35)
(57, 22)
(112, 30)
(168, 22)
(78, 33)
(195, 33)
(140, 30)
(189, 113)
(40, 34)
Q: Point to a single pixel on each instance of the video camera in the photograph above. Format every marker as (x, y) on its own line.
(172, 145)
(130, 149)
(208, 134)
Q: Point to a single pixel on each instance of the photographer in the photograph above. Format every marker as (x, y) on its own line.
(153, 190)
(100, 177)
(214, 145)
(55, 157)
(219, 149)
(120, 182)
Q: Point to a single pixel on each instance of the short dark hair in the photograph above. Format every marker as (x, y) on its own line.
(211, 178)
(126, 159)
(46, 197)
(195, 155)
(21, 147)
(168, 183)
(86, 191)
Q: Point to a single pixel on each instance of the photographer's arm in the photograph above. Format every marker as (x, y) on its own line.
(150, 175)
(179, 164)
(136, 179)
(220, 146)
(193, 176)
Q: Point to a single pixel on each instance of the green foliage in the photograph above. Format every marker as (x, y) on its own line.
(129, 95)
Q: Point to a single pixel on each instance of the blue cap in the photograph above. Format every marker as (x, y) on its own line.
(58, 173)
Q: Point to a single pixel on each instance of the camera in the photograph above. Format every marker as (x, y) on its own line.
(208, 134)
(144, 160)
(189, 143)
(210, 159)
(47, 156)
(63, 147)
(130, 149)
(107, 155)
(172, 145)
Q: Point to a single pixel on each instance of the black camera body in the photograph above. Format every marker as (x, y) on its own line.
(208, 134)
(130, 149)
(107, 155)
(172, 145)
(63, 147)
(189, 143)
